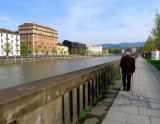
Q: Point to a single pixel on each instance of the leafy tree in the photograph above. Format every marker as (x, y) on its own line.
(83, 51)
(76, 51)
(117, 51)
(54, 50)
(24, 49)
(149, 45)
(36, 50)
(156, 30)
(7, 48)
(111, 50)
(80, 50)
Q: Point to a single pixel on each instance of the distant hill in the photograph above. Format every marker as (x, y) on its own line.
(123, 45)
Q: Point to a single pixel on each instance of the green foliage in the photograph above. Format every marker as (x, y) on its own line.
(24, 48)
(118, 77)
(149, 45)
(94, 103)
(54, 50)
(7, 48)
(36, 50)
(155, 63)
(76, 51)
(99, 97)
(83, 51)
(80, 50)
(84, 113)
(156, 30)
(117, 51)
(111, 50)
(113, 83)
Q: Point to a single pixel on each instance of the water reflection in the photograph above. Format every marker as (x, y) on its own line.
(14, 74)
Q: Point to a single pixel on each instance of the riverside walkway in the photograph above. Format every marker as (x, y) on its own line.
(142, 105)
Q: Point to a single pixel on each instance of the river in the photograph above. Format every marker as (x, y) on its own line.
(15, 74)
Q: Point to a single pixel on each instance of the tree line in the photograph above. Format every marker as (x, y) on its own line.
(153, 40)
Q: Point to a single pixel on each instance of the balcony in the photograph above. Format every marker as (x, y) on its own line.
(7, 38)
(17, 39)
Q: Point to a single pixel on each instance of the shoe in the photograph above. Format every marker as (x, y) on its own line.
(128, 90)
(124, 88)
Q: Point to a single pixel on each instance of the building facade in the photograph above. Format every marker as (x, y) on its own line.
(95, 50)
(62, 50)
(44, 39)
(73, 46)
(11, 37)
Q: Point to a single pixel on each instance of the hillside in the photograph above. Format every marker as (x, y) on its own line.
(123, 45)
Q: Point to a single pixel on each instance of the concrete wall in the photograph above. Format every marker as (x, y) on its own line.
(19, 59)
(57, 99)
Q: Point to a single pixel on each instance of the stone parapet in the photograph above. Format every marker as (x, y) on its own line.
(57, 99)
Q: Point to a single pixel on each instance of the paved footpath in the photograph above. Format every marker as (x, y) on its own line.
(142, 105)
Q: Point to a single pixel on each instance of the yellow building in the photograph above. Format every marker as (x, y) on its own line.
(62, 50)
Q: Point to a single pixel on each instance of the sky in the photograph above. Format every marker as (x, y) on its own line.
(91, 22)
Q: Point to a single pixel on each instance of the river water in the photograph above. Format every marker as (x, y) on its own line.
(15, 74)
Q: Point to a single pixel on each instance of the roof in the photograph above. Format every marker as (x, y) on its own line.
(8, 31)
(32, 24)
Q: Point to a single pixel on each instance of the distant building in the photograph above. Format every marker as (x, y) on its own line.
(34, 35)
(62, 49)
(132, 50)
(72, 46)
(95, 50)
(122, 51)
(11, 37)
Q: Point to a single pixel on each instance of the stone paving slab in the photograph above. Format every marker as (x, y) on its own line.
(142, 105)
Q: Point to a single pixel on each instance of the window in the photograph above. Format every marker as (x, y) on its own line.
(1, 40)
(1, 35)
(2, 46)
(11, 41)
(12, 36)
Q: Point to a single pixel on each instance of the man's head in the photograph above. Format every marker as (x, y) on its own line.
(128, 53)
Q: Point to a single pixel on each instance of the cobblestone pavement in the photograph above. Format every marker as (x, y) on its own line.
(142, 105)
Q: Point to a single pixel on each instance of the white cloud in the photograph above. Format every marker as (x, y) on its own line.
(4, 18)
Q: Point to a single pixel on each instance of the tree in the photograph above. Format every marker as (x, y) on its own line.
(156, 30)
(54, 50)
(24, 48)
(36, 50)
(117, 51)
(110, 50)
(83, 51)
(149, 45)
(76, 51)
(7, 48)
(80, 50)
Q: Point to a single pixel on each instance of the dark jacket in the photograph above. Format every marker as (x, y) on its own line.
(127, 65)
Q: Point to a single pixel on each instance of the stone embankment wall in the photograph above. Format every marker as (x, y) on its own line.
(55, 100)
(18, 59)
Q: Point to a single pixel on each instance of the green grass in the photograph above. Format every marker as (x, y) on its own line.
(113, 83)
(84, 113)
(118, 77)
(155, 63)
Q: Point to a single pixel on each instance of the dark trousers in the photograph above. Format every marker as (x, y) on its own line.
(128, 81)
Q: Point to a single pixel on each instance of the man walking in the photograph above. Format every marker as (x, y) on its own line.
(128, 67)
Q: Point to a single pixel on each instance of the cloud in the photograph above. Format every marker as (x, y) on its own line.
(4, 18)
